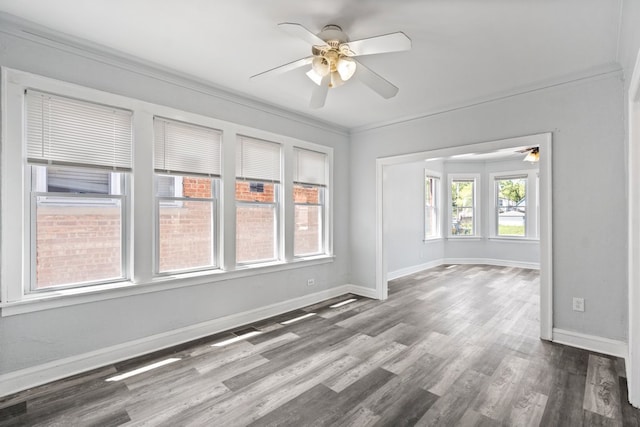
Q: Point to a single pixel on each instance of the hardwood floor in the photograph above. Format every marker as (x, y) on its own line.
(454, 345)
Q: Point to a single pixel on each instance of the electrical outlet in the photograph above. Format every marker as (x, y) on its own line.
(311, 282)
(578, 304)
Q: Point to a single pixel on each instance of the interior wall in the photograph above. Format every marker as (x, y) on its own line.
(404, 219)
(525, 253)
(589, 236)
(407, 251)
(28, 340)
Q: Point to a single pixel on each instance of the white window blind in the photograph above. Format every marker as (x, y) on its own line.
(68, 131)
(257, 159)
(309, 167)
(186, 148)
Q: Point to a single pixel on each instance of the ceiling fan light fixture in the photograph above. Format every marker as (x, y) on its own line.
(346, 67)
(532, 156)
(320, 66)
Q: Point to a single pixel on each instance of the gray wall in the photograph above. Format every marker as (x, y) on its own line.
(403, 216)
(589, 240)
(31, 339)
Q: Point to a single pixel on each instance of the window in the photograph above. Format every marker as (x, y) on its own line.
(463, 205)
(257, 200)
(86, 216)
(77, 210)
(516, 209)
(187, 169)
(431, 205)
(310, 177)
(511, 206)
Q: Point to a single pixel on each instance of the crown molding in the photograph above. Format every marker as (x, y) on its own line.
(30, 31)
(591, 74)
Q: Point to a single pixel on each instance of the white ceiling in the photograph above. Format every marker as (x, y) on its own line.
(464, 51)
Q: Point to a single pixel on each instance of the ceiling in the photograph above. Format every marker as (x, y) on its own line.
(463, 52)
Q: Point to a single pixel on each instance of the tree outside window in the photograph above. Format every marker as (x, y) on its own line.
(511, 206)
(462, 207)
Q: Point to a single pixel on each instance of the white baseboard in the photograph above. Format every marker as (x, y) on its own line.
(413, 269)
(362, 291)
(491, 261)
(23, 379)
(396, 274)
(591, 343)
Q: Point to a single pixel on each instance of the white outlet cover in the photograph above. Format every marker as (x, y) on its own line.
(578, 304)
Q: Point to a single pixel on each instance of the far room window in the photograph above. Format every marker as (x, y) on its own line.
(79, 155)
(463, 204)
(431, 205)
(511, 206)
(187, 162)
(309, 188)
(257, 201)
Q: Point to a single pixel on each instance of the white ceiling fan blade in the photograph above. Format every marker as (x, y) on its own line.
(319, 94)
(301, 32)
(286, 67)
(381, 86)
(393, 42)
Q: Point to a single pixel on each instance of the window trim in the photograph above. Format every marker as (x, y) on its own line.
(438, 205)
(477, 232)
(14, 276)
(531, 215)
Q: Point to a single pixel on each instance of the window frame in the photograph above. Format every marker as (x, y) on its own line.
(532, 210)
(430, 174)
(122, 186)
(323, 214)
(177, 201)
(15, 273)
(276, 180)
(40, 175)
(475, 177)
(276, 204)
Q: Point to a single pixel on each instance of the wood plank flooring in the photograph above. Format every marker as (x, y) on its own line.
(454, 345)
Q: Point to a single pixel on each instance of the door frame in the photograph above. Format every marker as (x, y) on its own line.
(543, 140)
(633, 358)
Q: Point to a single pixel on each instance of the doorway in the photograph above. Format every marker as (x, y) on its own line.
(543, 141)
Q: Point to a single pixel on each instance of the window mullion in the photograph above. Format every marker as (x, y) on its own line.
(288, 209)
(141, 255)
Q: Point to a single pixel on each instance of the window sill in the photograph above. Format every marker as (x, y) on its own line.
(465, 238)
(67, 297)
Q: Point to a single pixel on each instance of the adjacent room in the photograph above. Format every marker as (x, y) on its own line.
(337, 212)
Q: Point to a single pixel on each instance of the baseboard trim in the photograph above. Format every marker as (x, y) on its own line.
(396, 274)
(24, 379)
(362, 291)
(392, 275)
(491, 261)
(591, 343)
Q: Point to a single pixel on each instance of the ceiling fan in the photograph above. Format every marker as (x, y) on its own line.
(332, 59)
(533, 154)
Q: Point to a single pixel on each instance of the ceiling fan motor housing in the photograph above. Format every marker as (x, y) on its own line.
(333, 35)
